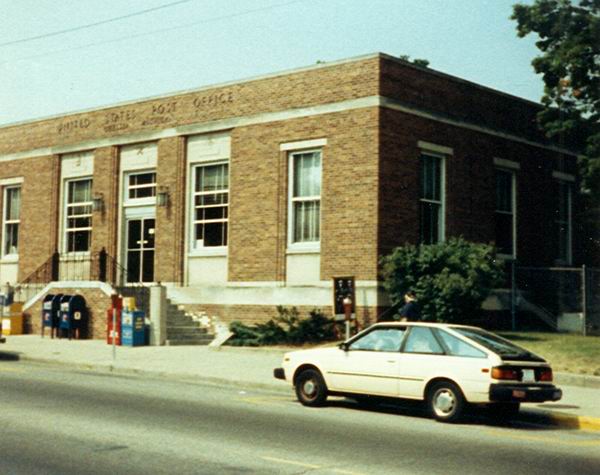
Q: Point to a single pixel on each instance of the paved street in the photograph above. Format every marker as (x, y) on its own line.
(61, 421)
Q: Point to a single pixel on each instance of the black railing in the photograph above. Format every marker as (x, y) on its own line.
(98, 266)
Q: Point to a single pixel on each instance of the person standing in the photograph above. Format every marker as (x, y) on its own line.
(410, 311)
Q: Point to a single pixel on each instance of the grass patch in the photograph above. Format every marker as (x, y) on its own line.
(567, 353)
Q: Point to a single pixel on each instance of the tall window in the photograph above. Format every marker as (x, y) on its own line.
(305, 197)
(505, 212)
(141, 185)
(562, 220)
(211, 205)
(12, 219)
(432, 199)
(78, 214)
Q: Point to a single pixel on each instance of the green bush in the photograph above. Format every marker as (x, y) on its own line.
(287, 328)
(451, 279)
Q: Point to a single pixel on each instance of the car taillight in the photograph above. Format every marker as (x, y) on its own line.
(500, 372)
(545, 374)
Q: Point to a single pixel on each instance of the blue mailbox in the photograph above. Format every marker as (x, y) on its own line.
(73, 315)
(51, 313)
(133, 328)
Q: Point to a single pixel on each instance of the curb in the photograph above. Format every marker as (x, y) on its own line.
(183, 377)
(580, 380)
(569, 421)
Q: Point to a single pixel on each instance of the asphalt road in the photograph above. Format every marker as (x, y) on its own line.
(59, 421)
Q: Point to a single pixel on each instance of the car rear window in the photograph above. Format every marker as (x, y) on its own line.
(504, 348)
(458, 347)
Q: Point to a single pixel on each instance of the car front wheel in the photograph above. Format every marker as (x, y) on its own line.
(311, 389)
(446, 401)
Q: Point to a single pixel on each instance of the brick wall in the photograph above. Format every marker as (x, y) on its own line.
(170, 219)
(258, 195)
(39, 209)
(470, 186)
(253, 314)
(106, 183)
(97, 303)
(299, 89)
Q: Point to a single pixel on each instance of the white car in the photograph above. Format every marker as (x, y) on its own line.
(448, 366)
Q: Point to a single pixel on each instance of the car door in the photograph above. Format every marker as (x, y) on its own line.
(370, 365)
(422, 356)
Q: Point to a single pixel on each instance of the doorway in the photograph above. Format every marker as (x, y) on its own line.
(139, 252)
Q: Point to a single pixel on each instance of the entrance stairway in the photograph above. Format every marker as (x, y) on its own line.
(184, 329)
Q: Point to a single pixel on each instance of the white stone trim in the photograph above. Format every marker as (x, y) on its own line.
(398, 106)
(11, 181)
(75, 284)
(431, 147)
(503, 163)
(314, 143)
(320, 295)
(563, 176)
(230, 123)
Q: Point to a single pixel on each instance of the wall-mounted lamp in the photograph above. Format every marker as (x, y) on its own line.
(162, 197)
(98, 202)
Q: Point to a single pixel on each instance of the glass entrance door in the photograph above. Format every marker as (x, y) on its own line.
(140, 250)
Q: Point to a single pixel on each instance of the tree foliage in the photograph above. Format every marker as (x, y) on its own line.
(569, 41)
(417, 61)
(451, 279)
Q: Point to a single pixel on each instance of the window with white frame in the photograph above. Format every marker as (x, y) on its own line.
(305, 197)
(210, 205)
(431, 228)
(562, 221)
(505, 216)
(141, 185)
(11, 221)
(78, 215)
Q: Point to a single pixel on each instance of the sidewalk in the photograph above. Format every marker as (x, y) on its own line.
(253, 368)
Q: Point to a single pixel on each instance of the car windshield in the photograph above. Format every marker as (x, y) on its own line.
(498, 345)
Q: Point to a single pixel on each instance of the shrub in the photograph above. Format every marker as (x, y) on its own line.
(287, 328)
(451, 279)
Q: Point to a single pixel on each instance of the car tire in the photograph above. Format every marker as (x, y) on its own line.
(311, 389)
(445, 401)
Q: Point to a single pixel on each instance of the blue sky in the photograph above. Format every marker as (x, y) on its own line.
(200, 42)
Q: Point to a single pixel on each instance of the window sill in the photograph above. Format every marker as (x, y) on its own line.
(304, 249)
(217, 252)
(9, 259)
(74, 255)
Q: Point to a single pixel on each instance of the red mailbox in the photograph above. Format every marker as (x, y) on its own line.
(115, 306)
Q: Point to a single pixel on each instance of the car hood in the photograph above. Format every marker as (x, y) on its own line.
(314, 353)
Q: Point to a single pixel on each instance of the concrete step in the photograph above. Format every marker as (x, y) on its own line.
(186, 331)
(189, 341)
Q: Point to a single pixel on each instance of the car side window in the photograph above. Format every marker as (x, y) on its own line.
(380, 339)
(422, 340)
(457, 347)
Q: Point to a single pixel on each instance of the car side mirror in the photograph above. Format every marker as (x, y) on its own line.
(343, 346)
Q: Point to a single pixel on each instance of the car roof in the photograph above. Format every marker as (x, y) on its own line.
(423, 324)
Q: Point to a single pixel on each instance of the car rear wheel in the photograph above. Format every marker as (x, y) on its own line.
(311, 389)
(446, 401)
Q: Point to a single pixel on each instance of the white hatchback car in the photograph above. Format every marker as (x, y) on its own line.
(448, 366)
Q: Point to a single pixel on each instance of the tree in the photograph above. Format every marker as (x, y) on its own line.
(569, 42)
(417, 61)
(451, 279)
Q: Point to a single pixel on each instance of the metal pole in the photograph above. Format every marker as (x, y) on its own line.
(513, 296)
(584, 298)
(114, 334)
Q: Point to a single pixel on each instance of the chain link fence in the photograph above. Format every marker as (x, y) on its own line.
(556, 298)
